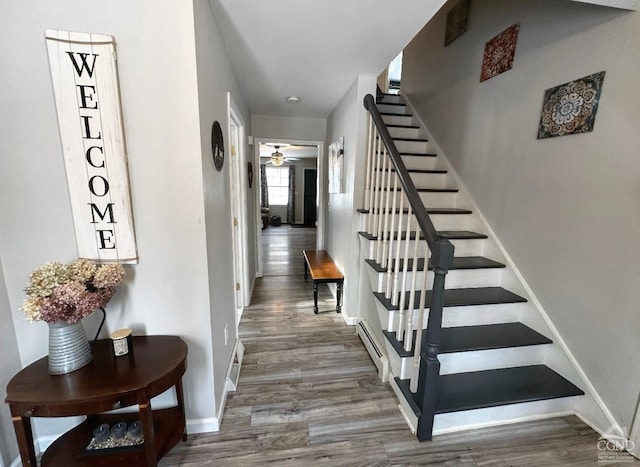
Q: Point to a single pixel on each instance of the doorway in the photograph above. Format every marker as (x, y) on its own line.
(263, 150)
(237, 183)
(310, 197)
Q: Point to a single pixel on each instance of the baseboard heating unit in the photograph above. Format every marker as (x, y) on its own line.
(374, 348)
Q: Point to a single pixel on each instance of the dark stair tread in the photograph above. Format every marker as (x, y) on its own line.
(459, 262)
(428, 190)
(462, 297)
(429, 210)
(418, 154)
(503, 386)
(392, 103)
(473, 338)
(416, 127)
(461, 235)
(421, 171)
(419, 140)
(396, 115)
(493, 388)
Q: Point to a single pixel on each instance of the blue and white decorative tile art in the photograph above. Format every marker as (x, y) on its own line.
(571, 107)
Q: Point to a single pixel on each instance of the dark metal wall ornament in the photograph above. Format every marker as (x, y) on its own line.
(250, 173)
(217, 145)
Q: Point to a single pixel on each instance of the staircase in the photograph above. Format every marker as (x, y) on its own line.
(471, 353)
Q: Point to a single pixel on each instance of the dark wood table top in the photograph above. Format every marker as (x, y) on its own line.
(321, 266)
(107, 382)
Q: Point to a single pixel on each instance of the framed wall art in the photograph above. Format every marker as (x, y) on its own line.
(499, 52)
(336, 166)
(571, 107)
(456, 21)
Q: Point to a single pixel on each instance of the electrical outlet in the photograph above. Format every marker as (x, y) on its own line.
(226, 333)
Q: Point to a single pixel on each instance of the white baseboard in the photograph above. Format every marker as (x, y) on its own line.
(203, 425)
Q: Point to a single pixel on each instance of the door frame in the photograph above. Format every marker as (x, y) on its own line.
(238, 188)
(321, 167)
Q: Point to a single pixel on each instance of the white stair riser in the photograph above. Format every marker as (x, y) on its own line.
(418, 147)
(421, 162)
(459, 316)
(393, 109)
(397, 119)
(429, 180)
(420, 180)
(391, 98)
(441, 222)
(457, 278)
(445, 199)
(461, 362)
(492, 416)
(397, 132)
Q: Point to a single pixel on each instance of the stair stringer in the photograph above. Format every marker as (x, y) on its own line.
(590, 407)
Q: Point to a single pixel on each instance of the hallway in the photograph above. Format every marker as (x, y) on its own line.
(308, 394)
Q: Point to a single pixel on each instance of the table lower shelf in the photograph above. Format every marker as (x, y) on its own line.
(69, 449)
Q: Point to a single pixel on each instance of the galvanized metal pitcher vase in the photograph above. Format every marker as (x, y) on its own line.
(69, 348)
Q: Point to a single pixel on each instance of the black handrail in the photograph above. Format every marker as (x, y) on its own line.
(441, 258)
(441, 247)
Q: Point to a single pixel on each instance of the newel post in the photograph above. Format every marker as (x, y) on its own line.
(427, 394)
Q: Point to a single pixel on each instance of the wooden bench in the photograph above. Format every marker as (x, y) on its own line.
(323, 270)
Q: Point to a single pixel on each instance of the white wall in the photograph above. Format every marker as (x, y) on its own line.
(168, 291)
(349, 119)
(288, 128)
(9, 365)
(565, 208)
(215, 78)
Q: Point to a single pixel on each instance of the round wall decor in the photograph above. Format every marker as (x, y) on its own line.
(217, 145)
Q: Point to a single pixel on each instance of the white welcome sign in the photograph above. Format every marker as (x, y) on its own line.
(85, 84)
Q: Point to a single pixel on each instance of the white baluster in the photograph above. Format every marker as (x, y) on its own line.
(396, 262)
(384, 200)
(413, 385)
(405, 271)
(392, 233)
(412, 295)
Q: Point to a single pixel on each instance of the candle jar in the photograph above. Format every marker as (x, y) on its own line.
(101, 433)
(118, 431)
(121, 341)
(135, 431)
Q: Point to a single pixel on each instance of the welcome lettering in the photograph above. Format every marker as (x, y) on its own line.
(101, 210)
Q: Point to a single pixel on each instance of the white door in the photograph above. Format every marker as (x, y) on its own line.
(238, 206)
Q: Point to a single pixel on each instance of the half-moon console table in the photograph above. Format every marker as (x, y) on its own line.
(155, 364)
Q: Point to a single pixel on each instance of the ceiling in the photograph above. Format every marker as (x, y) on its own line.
(313, 49)
(289, 150)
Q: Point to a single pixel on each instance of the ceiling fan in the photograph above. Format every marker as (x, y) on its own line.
(277, 158)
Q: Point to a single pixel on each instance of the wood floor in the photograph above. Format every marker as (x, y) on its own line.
(309, 395)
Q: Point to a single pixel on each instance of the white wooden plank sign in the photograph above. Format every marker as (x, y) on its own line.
(85, 83)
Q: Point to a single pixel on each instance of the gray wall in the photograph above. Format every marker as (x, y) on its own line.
(349, 120)
(168, 107)
(215, 78)
(565, 208)
(9, 365)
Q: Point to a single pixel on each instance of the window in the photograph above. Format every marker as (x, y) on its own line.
(278, 184)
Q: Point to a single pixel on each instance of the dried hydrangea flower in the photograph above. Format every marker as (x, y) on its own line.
(108, 275)
(83, 270)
